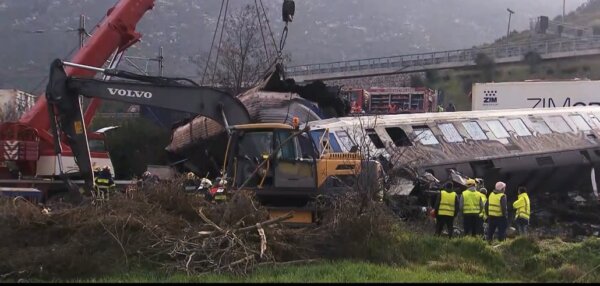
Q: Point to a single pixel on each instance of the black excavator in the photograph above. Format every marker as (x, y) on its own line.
(284, 165)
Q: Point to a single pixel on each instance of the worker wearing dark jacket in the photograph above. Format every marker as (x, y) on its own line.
(104, 183)
(446, 209)
(497, 212)
(471, 206)
(523, 208)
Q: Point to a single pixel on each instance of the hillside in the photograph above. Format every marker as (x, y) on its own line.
(456, 85)
(41, 30)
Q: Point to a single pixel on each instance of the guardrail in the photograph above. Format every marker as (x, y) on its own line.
(466, 56)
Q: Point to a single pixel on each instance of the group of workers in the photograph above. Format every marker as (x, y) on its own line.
(477, 208)
(104, 184)
(204, 186)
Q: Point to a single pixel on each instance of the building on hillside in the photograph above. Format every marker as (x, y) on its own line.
(14, 103)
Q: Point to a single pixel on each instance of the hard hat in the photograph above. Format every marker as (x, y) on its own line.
(500, 186)
(206, 183)
(471, 182)
(190, 175)
(483, 191)
(106, 168)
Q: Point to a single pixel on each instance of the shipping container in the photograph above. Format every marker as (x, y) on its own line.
(535, 94)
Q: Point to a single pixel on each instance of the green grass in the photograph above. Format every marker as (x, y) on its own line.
(344, 272)
(397, 254)
(428, 259)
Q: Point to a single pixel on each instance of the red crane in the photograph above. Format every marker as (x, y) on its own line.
(26, 146)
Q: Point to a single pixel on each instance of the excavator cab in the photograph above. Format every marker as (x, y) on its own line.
(269, 156)
(288, 171)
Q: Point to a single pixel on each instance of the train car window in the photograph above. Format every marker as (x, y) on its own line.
(475, 130)
(316, 137)
(540, 126)
(558, 123)
(497, 129)
(519, 126)
(335, 145)
(580, 123)
(425, 136)
(399, 137)
(450, 133)
(345, 140)
(375, 138)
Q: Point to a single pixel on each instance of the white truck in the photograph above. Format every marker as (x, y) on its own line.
(535, 94)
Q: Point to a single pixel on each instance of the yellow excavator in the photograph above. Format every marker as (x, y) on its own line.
(287, 167)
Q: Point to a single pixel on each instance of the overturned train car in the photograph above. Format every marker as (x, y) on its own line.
(545, 150)
(272, 101)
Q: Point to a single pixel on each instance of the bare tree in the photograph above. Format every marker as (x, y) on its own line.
(245, 53)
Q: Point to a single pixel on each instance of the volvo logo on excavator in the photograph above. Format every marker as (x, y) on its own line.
(130, 93)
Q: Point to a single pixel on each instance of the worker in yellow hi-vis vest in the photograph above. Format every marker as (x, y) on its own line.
(523, 207)
(497, 212)
(471, 205)
(446, 209)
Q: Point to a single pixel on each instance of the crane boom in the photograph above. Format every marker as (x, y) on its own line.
(115, 33)
(34, 154)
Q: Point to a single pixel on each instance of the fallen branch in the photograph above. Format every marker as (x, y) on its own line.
(245, 259)
(210, 222)
(267, 223)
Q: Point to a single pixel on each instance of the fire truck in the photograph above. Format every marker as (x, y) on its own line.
(358, 98)
(391, 100)
(28, 158)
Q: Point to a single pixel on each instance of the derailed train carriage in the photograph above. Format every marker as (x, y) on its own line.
(549, 151)
(274, 100)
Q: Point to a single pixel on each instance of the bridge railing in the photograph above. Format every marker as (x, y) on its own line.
(452, 56)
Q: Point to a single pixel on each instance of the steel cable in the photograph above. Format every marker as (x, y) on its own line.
(213, 42)
(220, 42)
(261, 29)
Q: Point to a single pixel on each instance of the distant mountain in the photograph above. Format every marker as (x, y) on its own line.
(36, 31)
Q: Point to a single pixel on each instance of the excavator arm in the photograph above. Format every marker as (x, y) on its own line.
(66, 116)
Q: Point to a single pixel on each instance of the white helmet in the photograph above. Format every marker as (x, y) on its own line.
(205, 183)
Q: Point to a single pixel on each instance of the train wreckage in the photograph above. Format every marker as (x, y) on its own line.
(553, 152)
(198, 142)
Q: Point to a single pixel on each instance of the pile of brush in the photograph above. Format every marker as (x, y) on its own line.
(162, 228)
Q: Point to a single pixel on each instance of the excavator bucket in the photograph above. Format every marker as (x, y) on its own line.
(67, 123)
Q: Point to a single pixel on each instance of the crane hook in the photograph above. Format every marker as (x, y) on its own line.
(288, 10)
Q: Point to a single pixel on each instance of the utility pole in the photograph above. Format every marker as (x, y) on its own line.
(563, 17)
(510, 12)
(81, 30)
(160, 61)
